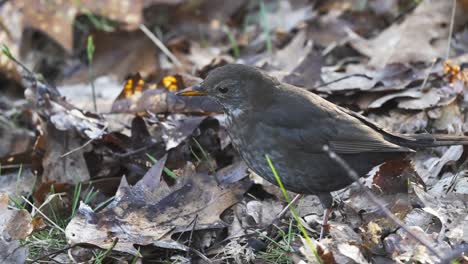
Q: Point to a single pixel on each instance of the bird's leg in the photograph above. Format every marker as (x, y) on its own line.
(326, 215)
(327, 201)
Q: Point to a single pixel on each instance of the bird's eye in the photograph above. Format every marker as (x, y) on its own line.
(223, 90)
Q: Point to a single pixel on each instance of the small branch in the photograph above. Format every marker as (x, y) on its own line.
(193, 229)
(134, 152)
(43, 215)
(426, 78)
(52, 254)
(340, 79)
(160, 45)
(200, 255)
(85, 144)
(283, 212)
(354, 176)
(452, 22)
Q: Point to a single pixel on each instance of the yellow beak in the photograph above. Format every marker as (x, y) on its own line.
(192, 91)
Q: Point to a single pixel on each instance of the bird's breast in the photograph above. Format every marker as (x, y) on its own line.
(238, 129)
(247, 137)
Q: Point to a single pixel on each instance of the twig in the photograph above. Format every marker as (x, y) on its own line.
(199, 254)
(426, 78)
(452, 22)
(160, 45)
(340, 79)
(134, 152)
(281, 214)
(52, 253)
(85, 144)
(193, 229)
(43, 215)
(354, 176)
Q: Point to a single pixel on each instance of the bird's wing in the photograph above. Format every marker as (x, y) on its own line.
(310, 122)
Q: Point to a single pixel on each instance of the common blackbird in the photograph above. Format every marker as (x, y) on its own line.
(291, 125)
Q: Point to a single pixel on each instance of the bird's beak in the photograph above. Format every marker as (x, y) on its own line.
(195, 90)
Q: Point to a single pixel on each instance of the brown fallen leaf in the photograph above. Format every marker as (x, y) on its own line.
(290, 56)
(448, 119)
(402, 121)
(307, 73)
(406, 42)
(294, 15)
(68, 132)
(117, 54)
(426, 99)
(14, 225)
(429, 165)
(390, 77)
(450, 209)
(150, 212)
(324, 252)
(56, 18)
(63, 159)
(141, 97)
(178, 127)
(403, 249)
(393, 175)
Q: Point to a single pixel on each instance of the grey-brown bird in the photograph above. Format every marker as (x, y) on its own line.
(292, 125)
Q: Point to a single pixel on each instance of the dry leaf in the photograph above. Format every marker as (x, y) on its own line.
(118, 54)
(159, 100)
(395, 76)
(406, 42)
(14, 225)
(178, 127)
(150, 212)
(430, 168)
(294, 16)
(56, 18)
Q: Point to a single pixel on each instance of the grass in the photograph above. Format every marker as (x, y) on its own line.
(100, 23)
(100, 255)
(43, 242)
(265, 27)
(232, 41)
(15, 200)
(52, 238)
(90, 49)
(49, 240)
(165, 169)
(206, 156)
(293, 210)
(94, 22)
(277, 250)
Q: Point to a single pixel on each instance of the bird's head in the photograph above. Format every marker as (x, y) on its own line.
(235, 86)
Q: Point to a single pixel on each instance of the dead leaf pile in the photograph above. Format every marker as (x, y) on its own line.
(153, 175)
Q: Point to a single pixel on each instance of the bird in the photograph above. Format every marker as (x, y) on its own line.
(292, 125)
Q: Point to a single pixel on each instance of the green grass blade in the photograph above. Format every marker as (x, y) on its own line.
(165, 169)
(293, 210)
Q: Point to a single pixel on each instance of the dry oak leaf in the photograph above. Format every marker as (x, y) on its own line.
(56, 17)
(422, 36)
(150, 212)
(14, 225)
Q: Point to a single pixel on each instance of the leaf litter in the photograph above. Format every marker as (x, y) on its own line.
(153, 171)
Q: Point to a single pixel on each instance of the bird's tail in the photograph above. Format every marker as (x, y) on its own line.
(429, 141)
